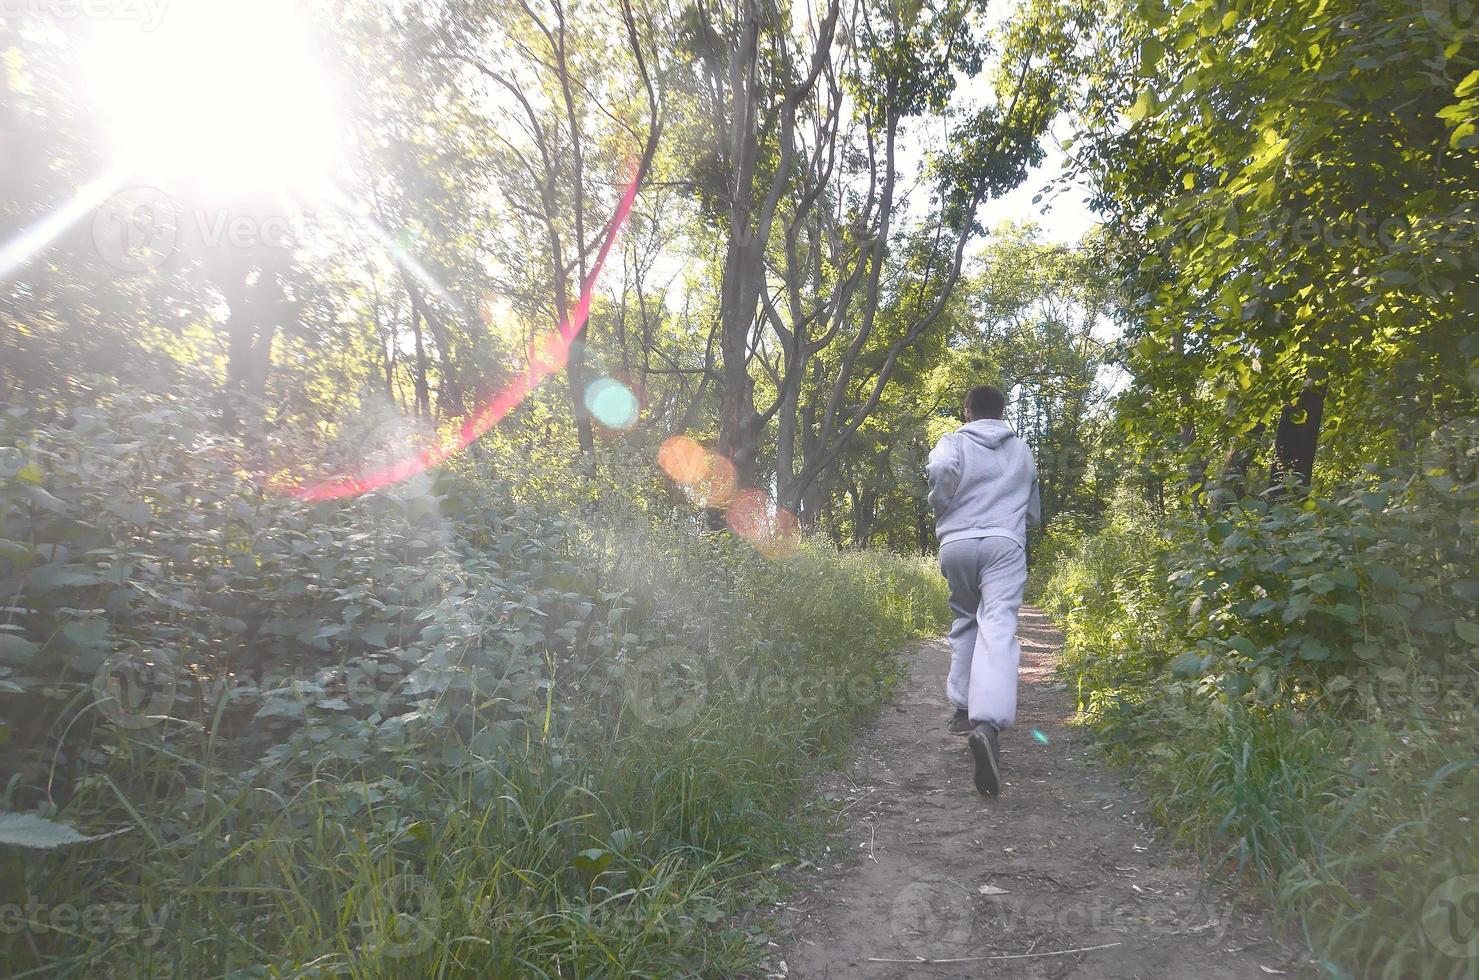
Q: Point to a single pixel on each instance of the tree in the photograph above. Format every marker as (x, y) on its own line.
(803, 184)
(1291, 186)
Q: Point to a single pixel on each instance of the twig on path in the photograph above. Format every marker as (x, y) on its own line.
(855, 802)
(1027, 874)
(982, 959)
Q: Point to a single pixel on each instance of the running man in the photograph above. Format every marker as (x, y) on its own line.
(983, 490)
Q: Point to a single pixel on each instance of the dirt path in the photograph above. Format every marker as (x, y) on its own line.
(1059, 862)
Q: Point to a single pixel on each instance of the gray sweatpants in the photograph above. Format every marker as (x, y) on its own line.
(987, 577)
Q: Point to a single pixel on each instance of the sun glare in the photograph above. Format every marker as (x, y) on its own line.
(224, 94)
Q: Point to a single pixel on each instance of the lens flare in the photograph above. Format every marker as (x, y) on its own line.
(717, 487)
(549, 353)
(611, 403)
(707, 478)
(772, 529)
(33, 240)
(231, 97)
(683, 460)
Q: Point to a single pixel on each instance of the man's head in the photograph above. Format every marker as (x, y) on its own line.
(984, 402)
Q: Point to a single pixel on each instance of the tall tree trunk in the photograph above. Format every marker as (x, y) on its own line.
(749, 225)
(255, 310)
(1296, 437)
(924, 525)
(422, 384)
(864, 513)
(1232, 481)
(449, 392)
(739, 289)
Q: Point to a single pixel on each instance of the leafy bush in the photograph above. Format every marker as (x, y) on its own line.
(1295, 683)
(472, 724)
(1309, 592)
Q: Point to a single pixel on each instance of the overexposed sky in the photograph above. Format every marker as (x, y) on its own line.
(1063, 214)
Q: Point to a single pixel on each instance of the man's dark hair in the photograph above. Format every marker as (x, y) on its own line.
(985, 402)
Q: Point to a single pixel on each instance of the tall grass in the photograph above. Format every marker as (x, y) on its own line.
(609, 844)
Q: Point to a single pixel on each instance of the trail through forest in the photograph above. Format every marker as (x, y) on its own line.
(1058, 877)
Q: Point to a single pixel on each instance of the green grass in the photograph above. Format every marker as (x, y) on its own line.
(1347, 826)
(508, 720)
(593, 842)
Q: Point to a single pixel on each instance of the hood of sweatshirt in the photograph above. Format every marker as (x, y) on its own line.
(989, 433)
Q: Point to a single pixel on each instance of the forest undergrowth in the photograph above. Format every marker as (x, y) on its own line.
(1293, 680)
(482, 723)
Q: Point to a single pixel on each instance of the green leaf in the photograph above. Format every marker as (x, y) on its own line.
(592, 860)
(17, 650)
(1319, 584)
(1243, 645)
(1188, 664)
(29, 830)
(86, 634)
(1310, 649)
(1467, 631)
(377, 635)
(1145, 106)
(1154, 12)
(46, 500)
(1151, 53)
(1297, 608)
(14, 551)
(54, 576)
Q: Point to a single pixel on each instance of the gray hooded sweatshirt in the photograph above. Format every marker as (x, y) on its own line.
(983, 484)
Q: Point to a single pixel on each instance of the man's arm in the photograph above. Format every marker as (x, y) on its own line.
(943, 472)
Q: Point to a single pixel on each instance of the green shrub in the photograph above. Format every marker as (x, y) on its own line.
(1295, 684)
(472, 724)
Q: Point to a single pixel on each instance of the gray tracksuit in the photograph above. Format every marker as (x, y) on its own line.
(983, 489)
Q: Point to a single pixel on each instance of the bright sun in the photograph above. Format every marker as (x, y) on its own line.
(223, 94)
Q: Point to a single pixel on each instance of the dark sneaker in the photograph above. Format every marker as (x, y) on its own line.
(961, 723)
(985, 749)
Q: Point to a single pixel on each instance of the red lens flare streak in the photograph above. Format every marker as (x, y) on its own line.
(547, 355)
